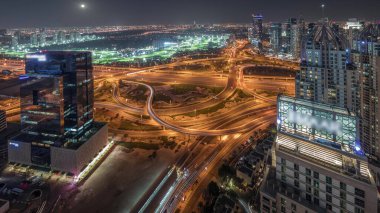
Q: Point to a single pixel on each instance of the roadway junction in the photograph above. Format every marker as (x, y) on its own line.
(210, 99)
(223, 130)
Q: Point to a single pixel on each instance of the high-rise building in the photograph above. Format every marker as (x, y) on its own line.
(61, 37)
(55, 38)
(256, 36)
(297, 33)
(42, 37)
(3, 120)
(275, 37)
(58, 128)
(327, 74)
(366, 56)
(73, 37)
(352, 29)
(319, 164)
(14, 42)
(354, 23)
(286, 33)
(34, 39)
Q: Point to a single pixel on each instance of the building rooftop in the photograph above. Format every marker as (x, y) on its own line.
(245, 170)
(323, 34)
(316, 105)
(326, 157)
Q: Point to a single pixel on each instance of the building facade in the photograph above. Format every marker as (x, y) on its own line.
(318, 164)
(366, 56)
(327, 74)
(56, 108)
(275, 37)
(256, 32)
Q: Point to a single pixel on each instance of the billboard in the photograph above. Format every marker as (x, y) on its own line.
(317, 122)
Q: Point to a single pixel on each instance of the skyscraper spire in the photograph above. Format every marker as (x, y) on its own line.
(323, 10)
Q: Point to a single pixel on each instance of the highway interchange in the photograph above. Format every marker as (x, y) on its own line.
(219, 134)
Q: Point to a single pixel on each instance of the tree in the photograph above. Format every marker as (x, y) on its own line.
(213, 189)
(225, 171)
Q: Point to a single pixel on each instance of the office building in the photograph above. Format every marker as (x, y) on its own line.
(55, 38)
(352, 28)
(33, 39)
(275, 37)
(354, 23)
(286, 32)
(256, 34)
(297, 33)
(58, 128)
(61, 37)
(42, 37)
(366, 56)
(327, 74)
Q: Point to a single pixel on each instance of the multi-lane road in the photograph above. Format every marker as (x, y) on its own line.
(232, 126)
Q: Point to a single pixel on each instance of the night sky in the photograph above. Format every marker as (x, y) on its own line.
(57, 13)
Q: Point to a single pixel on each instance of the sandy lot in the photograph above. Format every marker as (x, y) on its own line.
(120, 181)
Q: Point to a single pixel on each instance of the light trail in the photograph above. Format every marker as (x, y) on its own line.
(156, 190)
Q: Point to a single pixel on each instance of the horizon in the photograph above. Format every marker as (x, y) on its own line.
(42, 13)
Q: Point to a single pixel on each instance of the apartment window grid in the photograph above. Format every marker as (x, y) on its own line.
(313, 190)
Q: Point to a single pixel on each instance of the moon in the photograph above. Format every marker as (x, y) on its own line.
(82, 6)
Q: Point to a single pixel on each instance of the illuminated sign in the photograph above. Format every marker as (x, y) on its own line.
(38, 57)
(14, 144)
(22, 77)
(314, 122)
(320, 123)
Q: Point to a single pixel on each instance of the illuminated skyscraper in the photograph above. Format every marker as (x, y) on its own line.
(42, 37)
(34, 39)
(61, 37)
(275, 37)
(57, 112)
(286, 33)
(319, 164)
(366, 56)
(353, 27)
(327, 74)
(256, 36)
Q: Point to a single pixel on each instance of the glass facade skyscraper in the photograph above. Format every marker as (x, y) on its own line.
(256, 34)
(56, 100)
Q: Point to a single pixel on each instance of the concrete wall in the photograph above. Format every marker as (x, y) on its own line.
(73, 161)
(19, 152)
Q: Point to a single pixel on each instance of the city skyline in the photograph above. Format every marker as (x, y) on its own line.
(189, 106)
(116, 12)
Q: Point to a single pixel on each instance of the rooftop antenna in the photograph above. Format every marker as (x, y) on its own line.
(323, 10)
